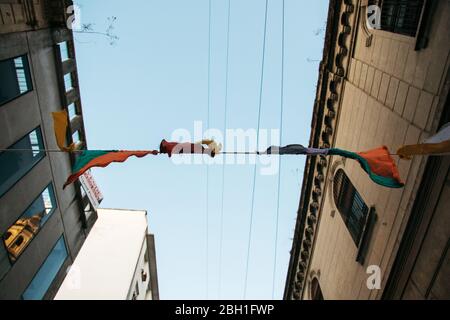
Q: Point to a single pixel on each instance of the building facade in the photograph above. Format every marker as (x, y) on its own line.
(117, 261)
(379, 84)
(42, 226)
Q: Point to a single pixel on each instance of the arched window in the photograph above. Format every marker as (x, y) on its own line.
(350, 204)
(18, 241)
(316, 291)
(400, 16)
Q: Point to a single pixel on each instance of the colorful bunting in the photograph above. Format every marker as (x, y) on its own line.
(439, 144)
(60, 122)
(295, 149)
(88, 159)
(170, 148)
(378, 164)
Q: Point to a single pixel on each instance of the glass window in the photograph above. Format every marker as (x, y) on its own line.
(68, 81)
(15, 78)
(4, 261)
(47, 272)
(64, 50)
(401, 16)
(15, 164)
(72, 111)
(76, 137)
(350, 204)
(19, 235)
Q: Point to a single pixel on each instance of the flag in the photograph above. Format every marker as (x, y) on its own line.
(170, 148)
(378, 164)
(295, 149)
(60, 125)
(212, 145)
(439, 144)
(99, 158)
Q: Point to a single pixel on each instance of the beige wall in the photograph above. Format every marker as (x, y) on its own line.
(392, 95)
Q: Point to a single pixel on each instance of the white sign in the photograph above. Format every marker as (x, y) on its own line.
(91, 189)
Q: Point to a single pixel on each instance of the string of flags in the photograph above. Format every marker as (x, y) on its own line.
(377, 163)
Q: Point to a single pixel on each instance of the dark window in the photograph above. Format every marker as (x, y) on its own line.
(4, 261)
(350, 204)
(15, 164)
(19, 240)
(22, 232)
(401, 16)
(15, 78)
(43, 279)
(316, 291)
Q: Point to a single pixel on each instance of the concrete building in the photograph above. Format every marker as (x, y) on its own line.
(117, 261)
(386, 86)
(42, 226)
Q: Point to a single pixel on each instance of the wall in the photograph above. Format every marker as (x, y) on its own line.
(391, 95)
(109, 263)
(17, 118)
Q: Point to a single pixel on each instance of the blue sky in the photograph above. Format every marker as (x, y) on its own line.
(153, 81)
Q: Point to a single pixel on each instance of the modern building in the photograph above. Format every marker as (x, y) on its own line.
(42, 226)
(379, 84)
(117, 261)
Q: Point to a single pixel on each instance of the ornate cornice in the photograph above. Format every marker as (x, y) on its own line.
(333, 70)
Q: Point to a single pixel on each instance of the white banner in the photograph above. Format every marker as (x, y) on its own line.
(91, 189)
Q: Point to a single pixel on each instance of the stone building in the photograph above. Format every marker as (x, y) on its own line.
(42, 226)
(386, 85)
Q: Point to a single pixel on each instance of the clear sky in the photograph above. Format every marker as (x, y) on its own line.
(153, 81)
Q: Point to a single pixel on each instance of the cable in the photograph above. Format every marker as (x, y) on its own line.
(257, 146)
(280, 159)
(207, 167)
(223, 163)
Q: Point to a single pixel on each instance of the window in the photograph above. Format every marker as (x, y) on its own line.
(137, 288)
(63, 50)
(316, 291)
(15, 164)
(15, 78)
(76, 137)
(4, 261)
(19, 235)
(350, 204)
(401, 16)
(68, 81)
(43, 279)
(72, 110)
(143, 275)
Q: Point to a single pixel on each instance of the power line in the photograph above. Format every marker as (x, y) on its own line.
(223, 163)
(207, 167)
(280, 159)
(257, 146)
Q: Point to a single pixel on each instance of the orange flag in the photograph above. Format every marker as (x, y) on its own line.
(60, 124)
